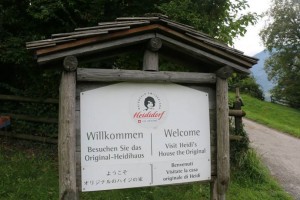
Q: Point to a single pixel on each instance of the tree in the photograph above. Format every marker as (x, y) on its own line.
(29, 20)
(246, 84)
(281, 36)
(220, 19)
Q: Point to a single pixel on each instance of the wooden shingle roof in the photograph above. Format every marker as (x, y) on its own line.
(127, 31)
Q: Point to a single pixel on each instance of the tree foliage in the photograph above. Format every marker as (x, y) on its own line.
(29, 20)
(246, 84)
(218, 18)
(282, 37)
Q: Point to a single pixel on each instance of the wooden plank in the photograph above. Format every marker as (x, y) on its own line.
(223, 157)
(187, 49)
(236, 137)
(200, 34)
(114, 24)
(78, 36)
(238, 120)
(50, 44)
(193, 63)
(183, 26)
(90, 31)
(38, 41)
(190, 40)
(136, 18)
(42, 43)
(123, 22)
(86, 41)
(223, 46)
(114, 75)
(96, 47)
(60, 40)
(67, 137)
(237, 113)
(215, 43)
(32, 118)
(28, 137)
(180, 28)
(153, 27)
(27, 99)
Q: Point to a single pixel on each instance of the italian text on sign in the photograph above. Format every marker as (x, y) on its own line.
(145, 134)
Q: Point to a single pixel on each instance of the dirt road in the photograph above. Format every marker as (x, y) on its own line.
(280, 152)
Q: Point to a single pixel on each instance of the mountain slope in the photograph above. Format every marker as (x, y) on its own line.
(260, 74)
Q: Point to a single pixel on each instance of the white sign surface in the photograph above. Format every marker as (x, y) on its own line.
(135, 135)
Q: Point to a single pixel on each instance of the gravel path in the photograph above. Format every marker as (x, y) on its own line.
(280, 152)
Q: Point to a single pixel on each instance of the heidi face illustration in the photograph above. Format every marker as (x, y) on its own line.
(149, 103)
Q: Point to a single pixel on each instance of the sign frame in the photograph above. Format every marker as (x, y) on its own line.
(174, 130)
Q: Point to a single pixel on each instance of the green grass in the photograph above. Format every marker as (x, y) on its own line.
(252, 181)
(176, 192)
(31, 172)
(276, 116)
(26, 173)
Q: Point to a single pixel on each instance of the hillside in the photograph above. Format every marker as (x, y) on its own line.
(276, 116)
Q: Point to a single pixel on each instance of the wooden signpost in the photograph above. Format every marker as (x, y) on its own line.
(217, 153)
(136, 128)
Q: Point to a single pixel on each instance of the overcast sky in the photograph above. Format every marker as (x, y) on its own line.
(251, 43)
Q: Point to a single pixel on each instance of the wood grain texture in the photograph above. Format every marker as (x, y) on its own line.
(104, 46)
(27, 99)
(150, 61)
(70, 63)
(116, 75)
(67, 137)
(154, 44)
(223, 157)
(224, 72)
(189, 49)
(32, 118)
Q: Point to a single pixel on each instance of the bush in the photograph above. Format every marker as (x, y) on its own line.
(247, 84)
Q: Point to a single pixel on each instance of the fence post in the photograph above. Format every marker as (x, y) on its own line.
(67, 131)
(238, 106)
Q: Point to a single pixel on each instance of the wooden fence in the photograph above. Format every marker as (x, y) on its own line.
(235, 112)
(24, 117)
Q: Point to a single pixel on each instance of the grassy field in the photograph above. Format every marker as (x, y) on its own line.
(276, 116)
(30, 172)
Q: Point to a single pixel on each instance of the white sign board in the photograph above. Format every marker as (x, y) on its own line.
(145, 134)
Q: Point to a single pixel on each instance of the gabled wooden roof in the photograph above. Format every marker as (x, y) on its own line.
(177, 39)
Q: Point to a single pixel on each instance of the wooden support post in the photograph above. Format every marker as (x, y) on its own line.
(223, 157)
(66, 131)
(151, 59)
(213, 189)
(238, 123)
